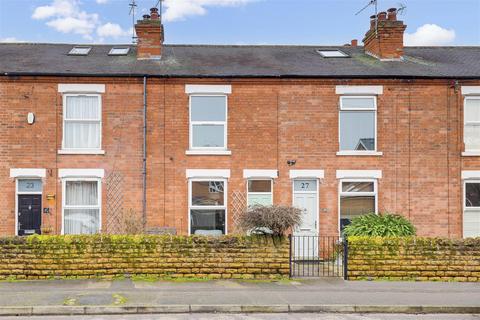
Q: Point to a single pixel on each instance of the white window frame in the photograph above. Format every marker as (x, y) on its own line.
(356, 194)
(192, 123)
(260, 193)
(98, 206)
(192, 207)
(66, 150)
(465, 208)
(466, 122)
(374, 108)
(17, 193)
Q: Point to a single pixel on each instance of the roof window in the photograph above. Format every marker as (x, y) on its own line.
(117, 51)
(333, 54)
(80, 51)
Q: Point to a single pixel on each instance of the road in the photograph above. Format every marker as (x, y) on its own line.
(298, 316)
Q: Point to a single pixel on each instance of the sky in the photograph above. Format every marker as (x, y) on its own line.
(322, 22)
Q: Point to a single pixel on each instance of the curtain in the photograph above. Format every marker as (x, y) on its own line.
(82, 122)
(81, 220)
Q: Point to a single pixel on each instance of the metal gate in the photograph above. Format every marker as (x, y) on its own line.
(318, 256)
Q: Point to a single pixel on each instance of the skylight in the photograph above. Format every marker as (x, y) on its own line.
(115, 51)
(80, 51)
(332, 54)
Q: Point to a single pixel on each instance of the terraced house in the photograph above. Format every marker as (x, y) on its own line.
(183, 137)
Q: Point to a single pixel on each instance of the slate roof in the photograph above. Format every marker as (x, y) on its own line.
(240, 61)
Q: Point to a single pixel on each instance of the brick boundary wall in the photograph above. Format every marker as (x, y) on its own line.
(102, 256)
(418, 259)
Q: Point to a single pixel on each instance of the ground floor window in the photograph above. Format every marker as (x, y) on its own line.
(259, 192)
(471, 212)
(81, 206)
(357, 197)
(207, 206)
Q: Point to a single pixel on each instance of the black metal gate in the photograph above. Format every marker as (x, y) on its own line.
(318, 256)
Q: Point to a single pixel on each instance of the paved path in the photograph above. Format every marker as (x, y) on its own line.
(302, 316)
(306, 292)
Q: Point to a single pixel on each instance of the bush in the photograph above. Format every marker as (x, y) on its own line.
(274, 220)
(381, 225)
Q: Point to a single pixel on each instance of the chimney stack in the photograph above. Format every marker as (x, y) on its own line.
(384, 40)
(149, 36)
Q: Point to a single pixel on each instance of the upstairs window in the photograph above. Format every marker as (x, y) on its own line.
(82, 122)
(471, 131)
(358, 123)
(208, 122)
(260, 192)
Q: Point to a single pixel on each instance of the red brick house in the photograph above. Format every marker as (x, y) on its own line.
(183, 136)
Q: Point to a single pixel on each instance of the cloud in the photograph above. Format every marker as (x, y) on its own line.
(102, 1)
(66, 16)
(10, 39)
(430, 35)
(180, 9)
(111, 30)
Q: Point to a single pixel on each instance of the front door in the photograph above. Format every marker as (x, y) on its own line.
(29, 214)
(305, 197)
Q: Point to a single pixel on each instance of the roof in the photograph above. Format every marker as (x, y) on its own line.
(239, 61)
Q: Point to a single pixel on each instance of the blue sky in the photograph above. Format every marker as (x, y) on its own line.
(430, 22)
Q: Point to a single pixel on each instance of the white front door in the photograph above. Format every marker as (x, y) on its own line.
(305, 197)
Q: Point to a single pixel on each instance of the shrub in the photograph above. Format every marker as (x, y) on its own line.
(274, 220)
(381, 225)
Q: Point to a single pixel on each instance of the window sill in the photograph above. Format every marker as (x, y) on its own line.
(208, 152)
(99, 152)
(471, 154)
(360, 153)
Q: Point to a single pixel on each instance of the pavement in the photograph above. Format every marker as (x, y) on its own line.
(65, 297)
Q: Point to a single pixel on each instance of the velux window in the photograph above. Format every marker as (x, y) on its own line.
(358, 123)
(208, 207)
(260, 192)
(471, 131)
(81, 206)
(82, 128)
(357, 197)
(208, 122)
(471, 209)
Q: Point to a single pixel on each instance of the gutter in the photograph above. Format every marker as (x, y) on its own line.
(222, 76)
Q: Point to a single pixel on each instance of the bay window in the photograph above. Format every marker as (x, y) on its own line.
(207, 206)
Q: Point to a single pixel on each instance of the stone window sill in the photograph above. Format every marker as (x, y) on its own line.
(97, 152)
(360, 153)
(208, 152)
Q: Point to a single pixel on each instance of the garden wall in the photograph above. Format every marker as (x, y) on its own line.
(420, 259)
(238, 257)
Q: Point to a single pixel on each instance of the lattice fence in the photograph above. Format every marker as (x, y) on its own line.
(115, 203)
(239, 204)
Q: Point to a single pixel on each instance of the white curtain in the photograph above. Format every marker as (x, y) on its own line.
(81, 220)
(82, 122)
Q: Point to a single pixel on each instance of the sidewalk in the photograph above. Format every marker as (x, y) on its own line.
(321, 295)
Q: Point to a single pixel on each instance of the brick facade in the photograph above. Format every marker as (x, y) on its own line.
(420, 132)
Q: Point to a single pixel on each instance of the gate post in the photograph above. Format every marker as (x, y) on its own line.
(290, 273)
(345, 258)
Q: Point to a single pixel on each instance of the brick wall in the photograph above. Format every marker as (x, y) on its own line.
(269, 122)
(236, 257)
(420, 259)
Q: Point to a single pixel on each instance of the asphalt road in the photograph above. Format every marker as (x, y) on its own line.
(305, 316)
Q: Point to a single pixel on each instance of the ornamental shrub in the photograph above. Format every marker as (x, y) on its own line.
(275, 220)
(380, 225)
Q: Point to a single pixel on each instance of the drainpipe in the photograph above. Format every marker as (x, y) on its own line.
(144, 168)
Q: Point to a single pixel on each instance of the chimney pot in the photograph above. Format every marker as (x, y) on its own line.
(146, 17)
(154, 14)
(382, 15)
(392, 14)
(372, 21)
(354, 43)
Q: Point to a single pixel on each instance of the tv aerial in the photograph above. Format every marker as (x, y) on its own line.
(133, 7)
(373, 3)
